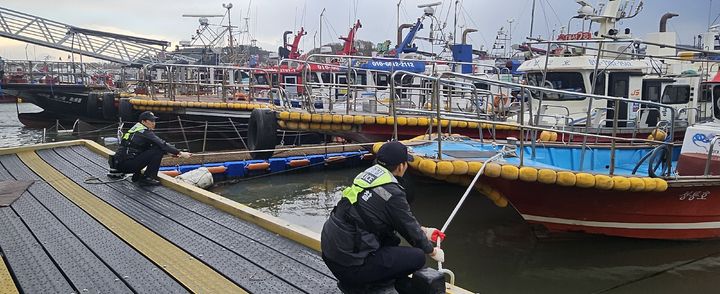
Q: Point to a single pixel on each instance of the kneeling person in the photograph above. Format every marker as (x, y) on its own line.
(359, 241)
(140, 148)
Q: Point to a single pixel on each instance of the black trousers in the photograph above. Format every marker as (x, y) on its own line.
(386, 264)
(149, 158)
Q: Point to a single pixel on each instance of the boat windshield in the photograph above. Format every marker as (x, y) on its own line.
(566, 81)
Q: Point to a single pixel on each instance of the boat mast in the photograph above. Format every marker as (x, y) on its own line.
(532, 19)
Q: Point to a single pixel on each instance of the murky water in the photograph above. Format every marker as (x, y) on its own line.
(492, 250)
(12, 132)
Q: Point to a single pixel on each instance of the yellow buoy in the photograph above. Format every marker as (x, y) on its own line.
(422, 121)
(316, 118)
(603, 182)
(566, 179)
(660, 185)
(345, 127)
(304, 125)
(369, 120)
(547, 176)
(584, 180)
(621, 183)
(348, 119)
(473, 125)
(415, 163)
(390, 120)
(460, 167)
(281, 124)
(358, 119)
(337, 119)
(427, 166)
(453, 124)
(544, 136)
(444, 123)
(284, 115)
(376, 147)
(327, 118)
(412, 121)
(445, 168)
(292, 125)
(501, 202)
(326, 127)
(493, 170)
(462, 124)
(402, 121)
(553, 136)
(528, 174)
(474, 167)
(509, 172)
(306, 117)
(336, 127)
(658, 135)
(314, 126)
(650, 184)
(637, 184)
(380, 120)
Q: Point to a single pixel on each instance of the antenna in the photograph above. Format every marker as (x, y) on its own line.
(429, 8)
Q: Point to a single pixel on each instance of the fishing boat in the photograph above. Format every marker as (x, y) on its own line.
(630, 187)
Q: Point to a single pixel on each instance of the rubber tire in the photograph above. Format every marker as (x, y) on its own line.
(126, 110)
(109, 112)
(262, 132)
(91, 104)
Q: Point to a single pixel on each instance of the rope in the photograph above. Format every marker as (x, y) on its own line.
(98, 181)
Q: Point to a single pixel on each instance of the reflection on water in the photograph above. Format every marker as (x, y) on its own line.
(12, 132)
(492, 250)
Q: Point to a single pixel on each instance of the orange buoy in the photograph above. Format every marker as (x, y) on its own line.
(216, 169)
(172, 173)
(333, 159)
(258, 166)
(299, 162)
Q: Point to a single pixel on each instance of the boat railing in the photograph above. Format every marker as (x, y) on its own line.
(224, 82)
(710, 155)
(50, 72)
(527, 126)
(638, 117)
(687, 110)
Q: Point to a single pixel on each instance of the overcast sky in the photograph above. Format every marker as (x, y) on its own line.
(268, 19)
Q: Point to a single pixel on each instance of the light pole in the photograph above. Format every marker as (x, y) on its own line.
(321, 23)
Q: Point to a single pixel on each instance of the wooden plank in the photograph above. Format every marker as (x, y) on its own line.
(7, 285)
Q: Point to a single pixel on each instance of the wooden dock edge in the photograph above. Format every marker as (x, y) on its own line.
(273, 224)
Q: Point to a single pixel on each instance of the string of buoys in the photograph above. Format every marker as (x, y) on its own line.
(360, 119)
(445, 168)
(167, 105)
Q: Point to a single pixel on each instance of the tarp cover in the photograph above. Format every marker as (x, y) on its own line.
(11, 191)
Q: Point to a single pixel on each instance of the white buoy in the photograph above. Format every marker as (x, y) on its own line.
(201, 177)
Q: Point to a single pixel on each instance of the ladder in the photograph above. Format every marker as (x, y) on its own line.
(123, 49)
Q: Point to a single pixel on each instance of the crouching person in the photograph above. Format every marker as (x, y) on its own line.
(359, 241)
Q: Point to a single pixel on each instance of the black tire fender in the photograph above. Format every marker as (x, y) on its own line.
(91, 104)
(126, 110)
(262, 132)
(109, 111)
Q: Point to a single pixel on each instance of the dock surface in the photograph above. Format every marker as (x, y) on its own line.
(66, 235)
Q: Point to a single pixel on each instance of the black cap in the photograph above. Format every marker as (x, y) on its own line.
(147, 115)
(393, 153)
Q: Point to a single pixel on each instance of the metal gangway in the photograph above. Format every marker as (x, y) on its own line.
(123, 49)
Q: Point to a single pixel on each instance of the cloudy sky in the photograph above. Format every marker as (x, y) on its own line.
(268, 19)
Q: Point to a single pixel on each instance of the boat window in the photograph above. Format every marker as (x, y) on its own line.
(314, 78)
(566, 81)
(676, 94)
(651, 92)
(707, 93)
(261, 79)
(360, 79)
(599, 88)
(716, 97)
(381, 80)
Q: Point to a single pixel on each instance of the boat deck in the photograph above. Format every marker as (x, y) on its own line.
(65, 235)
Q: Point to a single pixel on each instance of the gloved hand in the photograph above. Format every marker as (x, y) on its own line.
(433, 234)
(184, 154)
(438, 254)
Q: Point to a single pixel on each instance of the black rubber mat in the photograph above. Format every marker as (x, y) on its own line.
(31, 266)
(281, 245)
(127, 269)
(136, 202)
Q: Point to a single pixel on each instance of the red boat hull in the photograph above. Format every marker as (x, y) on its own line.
(677, 213)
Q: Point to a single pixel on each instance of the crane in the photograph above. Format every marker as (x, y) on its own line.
(348, 48)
